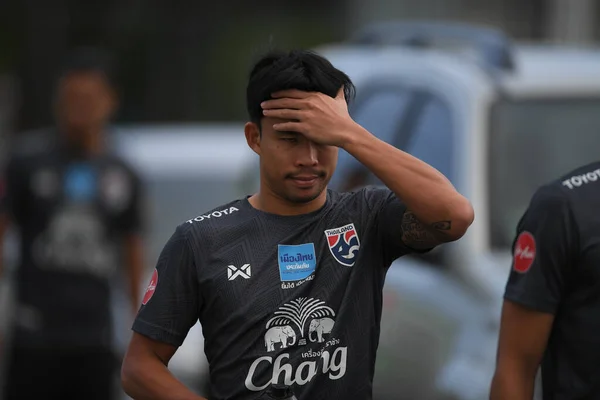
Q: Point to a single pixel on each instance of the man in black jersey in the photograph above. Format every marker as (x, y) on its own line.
(287, 283)
(77, 211)
(551, 312)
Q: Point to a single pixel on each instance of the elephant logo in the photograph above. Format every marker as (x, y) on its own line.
(320, 326)
(296, 314)
(279, 334)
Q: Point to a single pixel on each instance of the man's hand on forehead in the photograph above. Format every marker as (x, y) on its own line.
(296, 97)
(322, 119)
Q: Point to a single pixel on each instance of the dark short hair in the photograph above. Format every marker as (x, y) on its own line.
(90, 59)
(297, 69)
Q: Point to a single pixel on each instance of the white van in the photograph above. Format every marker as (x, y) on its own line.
(498, 118)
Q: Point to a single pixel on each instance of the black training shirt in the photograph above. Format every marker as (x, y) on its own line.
(294, 300)
(556, 270)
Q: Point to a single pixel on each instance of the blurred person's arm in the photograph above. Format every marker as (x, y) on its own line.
(12, 201)
(5, 206)
(145, 375)
(544, 255)
(134, 259)
(170, 307)
(132, 226)
(3, 299)
(4, 220)
(12, 206)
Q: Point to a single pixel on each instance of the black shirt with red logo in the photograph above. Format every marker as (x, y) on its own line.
(556, 270)
(294, 300)
(72, 216)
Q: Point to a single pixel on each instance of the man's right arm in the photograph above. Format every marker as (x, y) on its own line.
(544, 254)
(169, 309)
(145, 375)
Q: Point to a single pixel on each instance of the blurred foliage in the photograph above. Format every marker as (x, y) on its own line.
(229, 61)
(188, 60)
(178, 61)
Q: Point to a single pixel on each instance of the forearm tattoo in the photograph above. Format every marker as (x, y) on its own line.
(418, 235)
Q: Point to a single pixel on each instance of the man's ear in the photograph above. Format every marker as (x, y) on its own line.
(252, 133)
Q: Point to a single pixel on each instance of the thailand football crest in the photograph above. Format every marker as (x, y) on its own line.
(344, 244)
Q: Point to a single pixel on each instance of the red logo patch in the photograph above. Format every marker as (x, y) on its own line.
(524, 252)
(151, 287)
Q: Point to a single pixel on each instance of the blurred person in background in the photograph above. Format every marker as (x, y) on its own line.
(551, 312)
(287, 283)
(77, 210)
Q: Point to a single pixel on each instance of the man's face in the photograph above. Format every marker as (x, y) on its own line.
(292, 167)
(85, 101)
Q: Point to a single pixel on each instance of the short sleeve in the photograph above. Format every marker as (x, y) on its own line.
(387, 212)
(544, 251)
(170, 306)
(12, 190)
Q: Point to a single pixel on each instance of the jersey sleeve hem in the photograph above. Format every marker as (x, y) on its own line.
(516, 296)
(157, 333)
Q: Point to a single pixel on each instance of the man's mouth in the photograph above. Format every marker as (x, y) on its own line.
(305, 180)
(305, 177)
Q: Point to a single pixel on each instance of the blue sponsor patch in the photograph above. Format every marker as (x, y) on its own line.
(296, 262)
(80, 182)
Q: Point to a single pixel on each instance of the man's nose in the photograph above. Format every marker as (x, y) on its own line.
(307, 154)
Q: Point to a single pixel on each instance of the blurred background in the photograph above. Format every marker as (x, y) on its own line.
(499, 95)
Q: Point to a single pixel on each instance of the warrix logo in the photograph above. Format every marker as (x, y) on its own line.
(244, 272)
(302, 322)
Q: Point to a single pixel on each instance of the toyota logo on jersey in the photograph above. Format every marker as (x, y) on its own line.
(524, 252)
(151, 287)
(344, 244)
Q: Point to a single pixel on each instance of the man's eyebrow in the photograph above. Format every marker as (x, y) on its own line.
(288, 133)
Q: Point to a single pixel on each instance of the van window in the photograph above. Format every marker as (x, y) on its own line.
(431, 139)
(381, 112)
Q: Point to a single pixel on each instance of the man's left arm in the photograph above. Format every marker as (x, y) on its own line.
(435, 212)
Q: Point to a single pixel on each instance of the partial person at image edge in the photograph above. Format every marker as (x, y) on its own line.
(287, 283)
(551, 312)
(77, 211)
